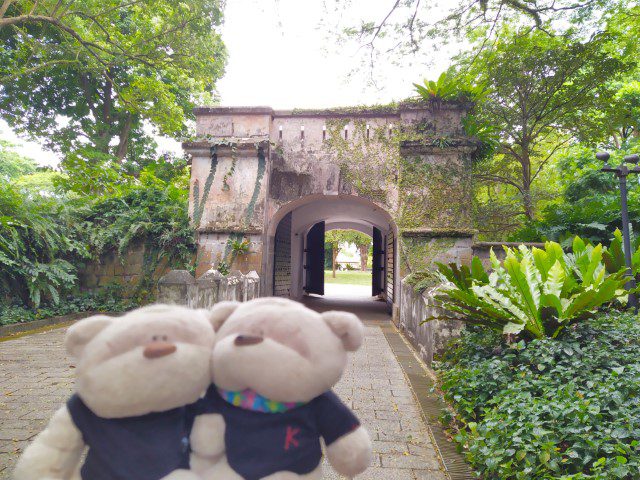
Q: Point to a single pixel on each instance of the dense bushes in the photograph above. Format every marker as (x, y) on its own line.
(589, 204)
(552, 408)
(36, 242)
(46, 237)
(108, 299)
(154, 212)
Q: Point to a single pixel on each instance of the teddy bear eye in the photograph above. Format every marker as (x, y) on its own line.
(154, 338)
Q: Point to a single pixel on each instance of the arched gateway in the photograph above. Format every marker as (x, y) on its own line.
(280, 179)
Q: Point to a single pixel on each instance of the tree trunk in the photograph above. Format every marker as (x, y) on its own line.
(527, 201)
(124, 138)
(364, 256)
(334, 256)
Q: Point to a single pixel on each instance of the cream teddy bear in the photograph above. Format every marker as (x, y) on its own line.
(274, 363)
(135, 374)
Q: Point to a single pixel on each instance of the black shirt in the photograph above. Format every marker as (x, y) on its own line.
(146, 447)
(259, 444)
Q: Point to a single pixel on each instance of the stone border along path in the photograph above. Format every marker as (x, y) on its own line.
(36, 377)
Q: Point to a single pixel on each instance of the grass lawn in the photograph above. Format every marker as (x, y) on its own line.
(348, 277)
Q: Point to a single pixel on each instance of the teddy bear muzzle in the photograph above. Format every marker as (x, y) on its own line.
(246, 340)
(159, 349)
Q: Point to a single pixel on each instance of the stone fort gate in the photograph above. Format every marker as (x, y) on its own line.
(280, 179)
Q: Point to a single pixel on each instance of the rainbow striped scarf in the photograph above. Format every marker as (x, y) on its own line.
(250, 400)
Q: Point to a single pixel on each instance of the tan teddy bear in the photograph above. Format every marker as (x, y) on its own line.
(135, 374)
(274, 363)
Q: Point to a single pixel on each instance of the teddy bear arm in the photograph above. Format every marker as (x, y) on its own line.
(351, 454)
(207, 441)
(54, 453)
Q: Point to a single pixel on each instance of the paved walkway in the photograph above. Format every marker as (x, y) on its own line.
(36, 377)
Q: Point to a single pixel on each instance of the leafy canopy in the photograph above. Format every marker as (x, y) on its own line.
(533, 100)
(12, 164)
(87, 77)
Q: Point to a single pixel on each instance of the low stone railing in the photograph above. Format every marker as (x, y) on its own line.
(431, 337)
(181, 288)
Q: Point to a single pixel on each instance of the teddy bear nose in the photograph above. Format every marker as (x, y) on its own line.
(159, 349)
(244, 340)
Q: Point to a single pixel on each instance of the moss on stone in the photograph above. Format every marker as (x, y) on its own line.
(421, 253)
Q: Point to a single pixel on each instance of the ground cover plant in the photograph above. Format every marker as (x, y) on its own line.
(108, 299)
(564, 408)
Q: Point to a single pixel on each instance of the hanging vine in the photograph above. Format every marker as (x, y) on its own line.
(232, 169)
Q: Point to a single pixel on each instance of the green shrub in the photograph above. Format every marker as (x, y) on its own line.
(10, 314)
(107, 299)
(46, 238)
(240, 247)
(533, 291)
(613, 257)
(422, 280)
(567, 408)
(36, 244)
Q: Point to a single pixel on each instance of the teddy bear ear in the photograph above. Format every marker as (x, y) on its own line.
(82, 332)
(347, 327)
(220, 312)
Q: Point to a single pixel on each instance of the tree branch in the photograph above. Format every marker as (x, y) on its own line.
(498, 179)
(5, 7)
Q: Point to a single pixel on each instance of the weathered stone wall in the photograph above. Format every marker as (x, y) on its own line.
(127, 270)
(423, 247)
(482, 250)
(249, 165)
(181, 288)
(428, 338)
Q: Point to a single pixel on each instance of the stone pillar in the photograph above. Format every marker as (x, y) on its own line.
(434, 185)
(228, 187)
(251, 286)
(231, 287)
(177, 287)
(209, 288)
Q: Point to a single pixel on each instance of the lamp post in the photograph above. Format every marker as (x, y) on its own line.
(622, 171)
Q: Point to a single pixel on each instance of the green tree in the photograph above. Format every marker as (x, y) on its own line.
(42, 182)
(89, 76)
(362, 241)
(338, 239)
(615, 119)
(334, 238)
(12, 164)
(538, 86)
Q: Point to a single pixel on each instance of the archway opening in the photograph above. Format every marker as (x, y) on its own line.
(295, 263)
(348, 261)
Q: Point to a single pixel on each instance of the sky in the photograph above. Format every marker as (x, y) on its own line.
(282, 55)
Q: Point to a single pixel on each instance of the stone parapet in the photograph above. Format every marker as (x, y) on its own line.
(482, 250)
(428, 338)
(179, 287)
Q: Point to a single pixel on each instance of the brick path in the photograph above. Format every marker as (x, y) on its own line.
(36, 378)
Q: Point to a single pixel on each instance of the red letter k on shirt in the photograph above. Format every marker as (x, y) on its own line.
(290, 439)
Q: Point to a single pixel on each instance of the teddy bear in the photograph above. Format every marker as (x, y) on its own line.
(135, 375)
(274, 362)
